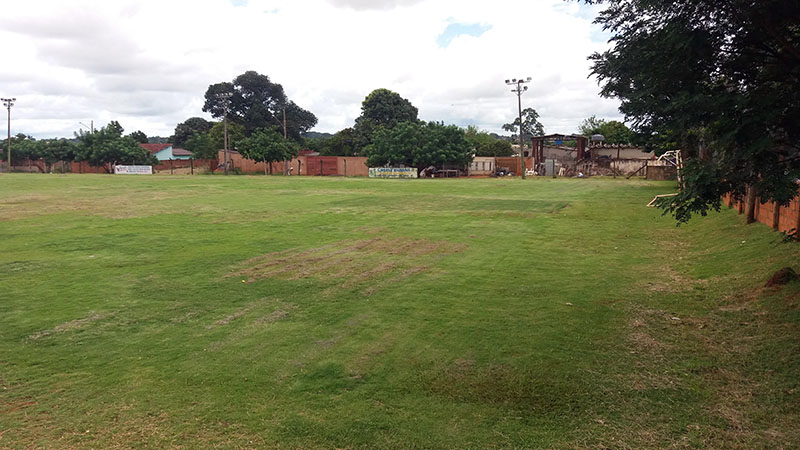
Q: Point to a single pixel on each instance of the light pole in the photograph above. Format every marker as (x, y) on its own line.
(8, 103)
(225, 98)
(519, 89)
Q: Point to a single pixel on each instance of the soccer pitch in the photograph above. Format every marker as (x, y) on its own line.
(303, 312)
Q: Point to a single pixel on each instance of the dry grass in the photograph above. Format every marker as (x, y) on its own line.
(70, 326)
(382, 261)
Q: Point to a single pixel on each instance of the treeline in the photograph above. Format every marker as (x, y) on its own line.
(105, 147)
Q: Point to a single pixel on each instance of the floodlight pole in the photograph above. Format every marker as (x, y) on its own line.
(519, 89)
(8, 103)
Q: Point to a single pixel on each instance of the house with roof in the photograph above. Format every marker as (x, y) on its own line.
(166, 152)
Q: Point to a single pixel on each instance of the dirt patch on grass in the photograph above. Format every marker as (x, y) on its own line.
(76, 324)
(382, 261)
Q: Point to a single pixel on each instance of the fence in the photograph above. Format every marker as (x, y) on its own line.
(781, 218)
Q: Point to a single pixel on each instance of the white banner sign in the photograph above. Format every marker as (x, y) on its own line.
(392, 172)
(133, 170)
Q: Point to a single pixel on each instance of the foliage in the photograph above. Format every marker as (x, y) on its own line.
(419, 145)
(266, 145)
(382, 108)
(530, 125)
(201, 145)
(256, 102)
(188, 128)
(139, 137)
(442, 144)
(720, 81)
(484, 144)
(236, 133)
(342, 143)
(614, 132)
(107, 147)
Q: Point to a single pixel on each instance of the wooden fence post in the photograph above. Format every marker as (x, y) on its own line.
(191, 164)
(170, 167)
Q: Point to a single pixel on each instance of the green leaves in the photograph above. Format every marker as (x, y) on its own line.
(419, 145)
(720, 81)
(266, 145)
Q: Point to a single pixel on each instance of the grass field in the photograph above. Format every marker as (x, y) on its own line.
(261, 312)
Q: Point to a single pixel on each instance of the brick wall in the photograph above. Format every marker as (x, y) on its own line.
(788, 217)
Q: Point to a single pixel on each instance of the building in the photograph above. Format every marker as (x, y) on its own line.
(166, 152)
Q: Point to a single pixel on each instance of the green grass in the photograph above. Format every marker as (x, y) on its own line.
(260, 312)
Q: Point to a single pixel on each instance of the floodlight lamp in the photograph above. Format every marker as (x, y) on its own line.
(526, 88)
(529, 78)
(508, 81)
(513, 80)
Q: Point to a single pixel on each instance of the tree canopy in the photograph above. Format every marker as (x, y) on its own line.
(255, 102)
(530, 125)
(107, 147)
(718, 80)
(382, 108)
(419, 145)
(267, 145)
(614, 132)
(186, 129)
(484, 144)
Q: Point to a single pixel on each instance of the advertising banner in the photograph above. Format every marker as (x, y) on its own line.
(392, 172)
(133, 170)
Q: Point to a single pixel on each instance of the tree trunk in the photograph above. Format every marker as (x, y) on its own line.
(750, 205)
(265, 167)
(270, 167)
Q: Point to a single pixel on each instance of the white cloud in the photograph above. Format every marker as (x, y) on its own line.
(148, 63)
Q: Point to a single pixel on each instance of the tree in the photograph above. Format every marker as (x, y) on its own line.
(107, 147)
(419, 145)
(256, 102)
(56, 150)
(216, 135)
(590, 125)
(718, 80)
(530, 125)
(382, 108)
(139, 137)
(186, 129)
(201, 145)
(614, 132)
(342, 143)
(394, 146)
(267, 146)
(484, 144)
(442, 144)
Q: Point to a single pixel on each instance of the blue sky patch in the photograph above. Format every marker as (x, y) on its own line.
(455, 30)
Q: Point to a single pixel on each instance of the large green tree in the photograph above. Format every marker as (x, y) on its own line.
(267, 145)
(255, 102)
(382, 108)
(530, 125)
(718, 80)
(188, 128)
(419, 145)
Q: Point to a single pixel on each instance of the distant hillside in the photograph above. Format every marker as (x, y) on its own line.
(316, 135)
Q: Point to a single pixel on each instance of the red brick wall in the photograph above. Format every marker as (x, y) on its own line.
(788, 216)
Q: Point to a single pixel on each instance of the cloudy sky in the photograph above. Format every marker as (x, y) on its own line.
(148, 63)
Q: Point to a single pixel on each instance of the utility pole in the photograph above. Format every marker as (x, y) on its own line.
(225, 98)
(519, 89)
(285, 167)
(8, 103)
